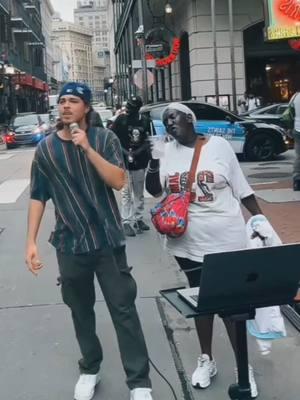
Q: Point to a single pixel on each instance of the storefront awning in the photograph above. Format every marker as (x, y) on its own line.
(25, 80)
(38, 84)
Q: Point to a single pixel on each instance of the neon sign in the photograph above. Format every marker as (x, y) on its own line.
(290, 8)
(283, 20)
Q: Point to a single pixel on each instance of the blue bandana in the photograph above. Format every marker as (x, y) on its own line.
(77, 89)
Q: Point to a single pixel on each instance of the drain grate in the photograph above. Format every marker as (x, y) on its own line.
(277, 163)
(271, 175)
(264, 168)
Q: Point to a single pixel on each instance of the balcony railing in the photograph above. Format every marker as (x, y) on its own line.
(4, 6)
(26, 16)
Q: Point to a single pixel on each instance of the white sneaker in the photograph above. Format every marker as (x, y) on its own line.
(253, 386)
(206, 369)
(141, 394)
(85, 387)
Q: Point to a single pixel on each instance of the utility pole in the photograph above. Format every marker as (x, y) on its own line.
(140, 36)
(232, 56)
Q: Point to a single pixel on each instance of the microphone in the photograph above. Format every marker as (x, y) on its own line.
(73, 126)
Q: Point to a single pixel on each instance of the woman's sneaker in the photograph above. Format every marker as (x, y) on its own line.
(85, 387)
(253, 386)
(206, 369)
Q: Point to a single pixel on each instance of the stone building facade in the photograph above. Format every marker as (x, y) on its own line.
(216, 57)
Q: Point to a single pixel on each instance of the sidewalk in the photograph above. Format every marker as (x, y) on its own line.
(39, 352)
(273, 384)
(281, 206)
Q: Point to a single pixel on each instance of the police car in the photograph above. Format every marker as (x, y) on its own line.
(256, 141)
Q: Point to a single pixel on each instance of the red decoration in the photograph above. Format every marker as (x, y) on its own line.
(38, 84)
(287, 11)
(164, 62)
(294, 44)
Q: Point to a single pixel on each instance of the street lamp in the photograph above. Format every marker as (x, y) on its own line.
(140, 37)
(105, 96)
(9, 70)
(168, 8)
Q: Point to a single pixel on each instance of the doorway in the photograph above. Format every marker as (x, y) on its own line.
(271, 67)
(185, 67)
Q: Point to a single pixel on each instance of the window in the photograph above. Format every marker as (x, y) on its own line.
(156, 113)
(207, 112)
(281, 109)
(270, 110)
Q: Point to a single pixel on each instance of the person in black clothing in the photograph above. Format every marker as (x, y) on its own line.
(133, 130)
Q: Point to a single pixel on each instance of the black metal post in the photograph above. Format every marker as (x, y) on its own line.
(143, 52)
(241, 390)
(214, 33)
(232, 55)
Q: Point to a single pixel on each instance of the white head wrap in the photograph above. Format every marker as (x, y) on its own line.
(180, 107)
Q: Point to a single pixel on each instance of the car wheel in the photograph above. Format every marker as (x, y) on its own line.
(260, 147)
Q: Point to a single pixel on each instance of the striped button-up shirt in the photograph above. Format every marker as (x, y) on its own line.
(87, 215)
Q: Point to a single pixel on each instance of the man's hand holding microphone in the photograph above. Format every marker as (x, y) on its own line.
(79, 137)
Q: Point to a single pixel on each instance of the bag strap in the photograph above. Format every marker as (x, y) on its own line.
(192, 174)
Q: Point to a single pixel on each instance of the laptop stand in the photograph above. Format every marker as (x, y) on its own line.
(241, 390)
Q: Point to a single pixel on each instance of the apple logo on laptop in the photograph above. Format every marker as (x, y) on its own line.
(252, 277)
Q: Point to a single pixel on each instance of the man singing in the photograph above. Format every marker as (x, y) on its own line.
(77, 168)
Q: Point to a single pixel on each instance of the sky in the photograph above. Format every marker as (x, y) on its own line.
(65, 8)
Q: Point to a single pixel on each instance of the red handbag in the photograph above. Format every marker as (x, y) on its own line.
(170, 216)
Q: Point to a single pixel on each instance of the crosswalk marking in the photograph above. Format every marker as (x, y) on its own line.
(6, 156)
(12, 189)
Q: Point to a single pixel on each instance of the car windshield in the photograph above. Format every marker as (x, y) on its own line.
(23, 120)
(203, 111)
(105, 114)
(44, 118)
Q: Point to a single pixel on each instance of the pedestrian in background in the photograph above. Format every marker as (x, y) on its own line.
(133, 131)
(253, 102)
(78, 168)
(242, 103)
(216, 223)
(295, 132)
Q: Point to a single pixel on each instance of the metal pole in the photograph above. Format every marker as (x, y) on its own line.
(214, 33)
(143, 52)
(232, 55)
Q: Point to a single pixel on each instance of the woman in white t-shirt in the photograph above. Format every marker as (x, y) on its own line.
(216, 222)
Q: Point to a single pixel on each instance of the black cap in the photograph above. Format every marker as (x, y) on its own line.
(135, 102)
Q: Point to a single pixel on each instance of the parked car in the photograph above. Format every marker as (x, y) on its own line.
(104, 113)
(269, 114)
(28, 129)
(256, 141)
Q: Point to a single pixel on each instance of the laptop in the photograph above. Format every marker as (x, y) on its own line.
(244, 279)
